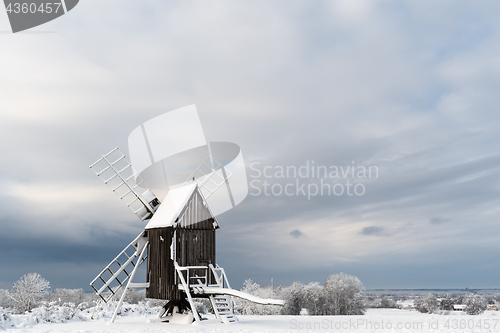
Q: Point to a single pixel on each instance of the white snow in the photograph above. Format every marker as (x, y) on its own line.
(242, 295)
(140, 318)
(171, 207)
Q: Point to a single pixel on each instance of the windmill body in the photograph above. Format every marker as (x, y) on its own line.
(178, 241)
(184, 236)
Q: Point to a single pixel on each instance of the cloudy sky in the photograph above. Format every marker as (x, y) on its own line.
(410, 88)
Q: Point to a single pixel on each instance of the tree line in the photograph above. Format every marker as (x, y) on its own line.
(341, 294)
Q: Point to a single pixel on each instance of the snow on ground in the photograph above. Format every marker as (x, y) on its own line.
(375, 320)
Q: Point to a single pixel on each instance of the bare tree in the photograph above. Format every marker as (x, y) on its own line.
(28, 290)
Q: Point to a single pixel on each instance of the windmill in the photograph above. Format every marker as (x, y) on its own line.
(178, 184)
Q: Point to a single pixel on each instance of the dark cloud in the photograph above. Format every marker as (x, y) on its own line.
(290, 82)
(296, 233)
(60, 262)
(373, 230)
(439, 220)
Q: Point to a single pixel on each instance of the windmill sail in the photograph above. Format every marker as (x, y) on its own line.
(210, 175)
(118, 273)
(116, 171)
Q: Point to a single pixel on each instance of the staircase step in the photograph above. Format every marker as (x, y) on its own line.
(223, 309)
(229, 319)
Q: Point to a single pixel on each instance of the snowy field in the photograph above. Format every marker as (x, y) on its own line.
(375, 320)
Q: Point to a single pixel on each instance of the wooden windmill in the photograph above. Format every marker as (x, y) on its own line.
(178, 241)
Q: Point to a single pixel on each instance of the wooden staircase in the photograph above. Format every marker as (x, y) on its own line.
(223, 308)
(220, 293)
(222, 304)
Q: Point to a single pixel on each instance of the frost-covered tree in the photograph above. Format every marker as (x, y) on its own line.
(61, 296)
(28, 290)
(314, 299)
(490, 299)
(475, 304)
(447, 303)
(294, 299)
(5, 300)
(426, 304)
(249, 308)
(343, 295)
(387, 303)
(460, 299)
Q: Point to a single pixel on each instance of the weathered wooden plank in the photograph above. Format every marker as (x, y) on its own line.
(195, 246)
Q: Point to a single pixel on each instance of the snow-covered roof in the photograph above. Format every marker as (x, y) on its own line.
(459, 306)
(171, 207)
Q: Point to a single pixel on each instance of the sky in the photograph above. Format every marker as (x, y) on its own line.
(408, 90)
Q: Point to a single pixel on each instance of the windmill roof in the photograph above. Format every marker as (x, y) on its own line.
(171, 206)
